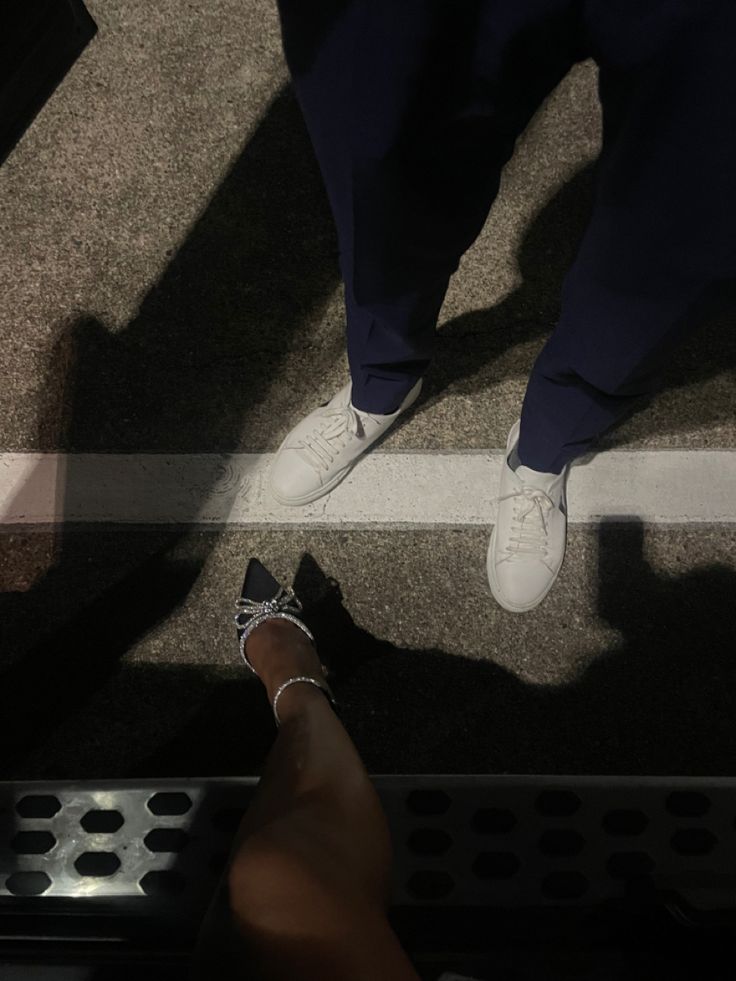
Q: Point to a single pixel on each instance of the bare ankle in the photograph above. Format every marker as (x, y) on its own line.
(278, 650)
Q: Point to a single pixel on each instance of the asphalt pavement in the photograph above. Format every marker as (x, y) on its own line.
(170, 286)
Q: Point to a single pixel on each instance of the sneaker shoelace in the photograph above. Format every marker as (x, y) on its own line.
(326, 440)
(529, 526)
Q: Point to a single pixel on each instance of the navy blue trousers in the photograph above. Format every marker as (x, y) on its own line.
(414, 106)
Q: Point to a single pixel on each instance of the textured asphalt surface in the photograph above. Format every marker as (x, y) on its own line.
(170, 285)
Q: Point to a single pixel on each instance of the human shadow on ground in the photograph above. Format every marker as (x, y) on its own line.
(205, 346)
(659, 701)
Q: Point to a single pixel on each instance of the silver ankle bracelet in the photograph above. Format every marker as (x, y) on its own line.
(301, 679)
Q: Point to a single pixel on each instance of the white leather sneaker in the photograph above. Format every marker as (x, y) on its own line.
(528, 541)
(322, 449)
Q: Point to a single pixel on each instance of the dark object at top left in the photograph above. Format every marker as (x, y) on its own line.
(39, 42)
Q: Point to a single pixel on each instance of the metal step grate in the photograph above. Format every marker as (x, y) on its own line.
(460, 840)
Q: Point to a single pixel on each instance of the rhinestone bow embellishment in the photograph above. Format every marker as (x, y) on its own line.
(283, 602)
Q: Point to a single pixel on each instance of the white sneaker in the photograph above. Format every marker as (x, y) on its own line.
(322, 449)
(528, 541)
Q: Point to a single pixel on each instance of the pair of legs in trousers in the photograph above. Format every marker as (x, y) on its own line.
(414, 108)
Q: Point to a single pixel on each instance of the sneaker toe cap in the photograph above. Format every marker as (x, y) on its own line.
(521, 584)
(291, 480)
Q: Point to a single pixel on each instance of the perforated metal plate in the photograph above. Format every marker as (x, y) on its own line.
(459, 840)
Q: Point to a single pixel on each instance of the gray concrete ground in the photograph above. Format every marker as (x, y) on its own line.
(630, 669)
(170, 285)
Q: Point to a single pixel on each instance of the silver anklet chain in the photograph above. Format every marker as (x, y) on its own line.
(301, 679)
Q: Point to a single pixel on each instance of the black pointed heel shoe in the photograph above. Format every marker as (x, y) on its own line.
(263, 598)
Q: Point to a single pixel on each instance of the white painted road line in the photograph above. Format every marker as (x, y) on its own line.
(385, 490)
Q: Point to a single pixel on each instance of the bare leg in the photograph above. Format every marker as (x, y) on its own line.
(307, 886)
